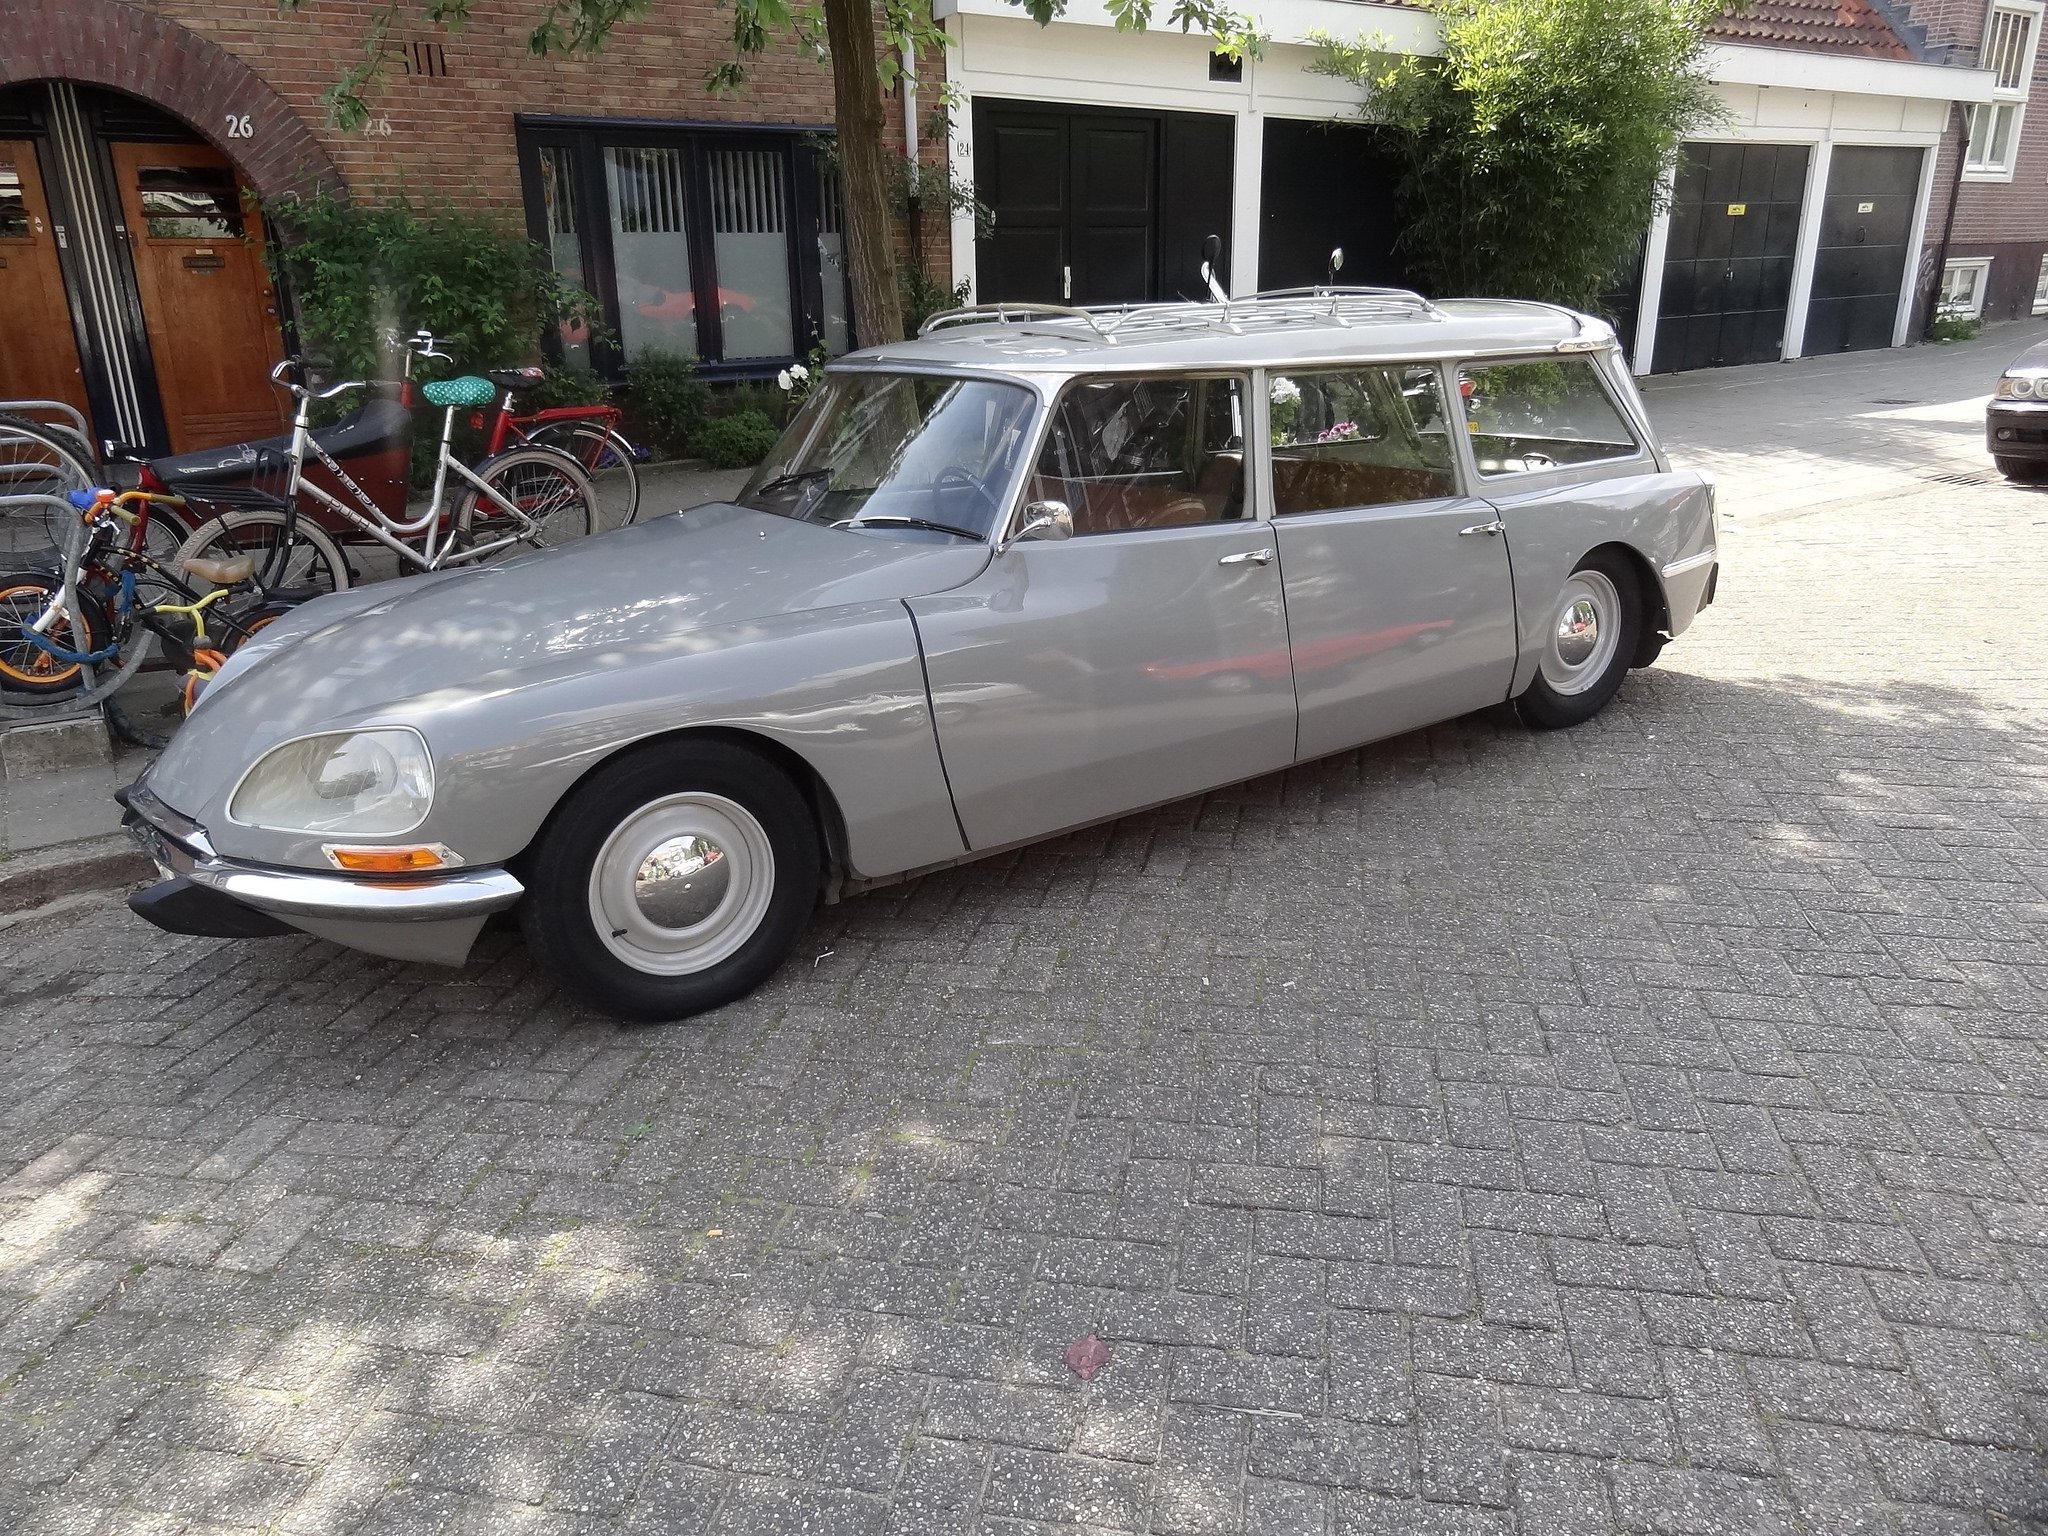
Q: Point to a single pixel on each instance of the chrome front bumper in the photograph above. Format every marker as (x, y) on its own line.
(427, 918)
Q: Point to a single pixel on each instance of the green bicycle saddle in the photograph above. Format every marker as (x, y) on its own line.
(467, 390)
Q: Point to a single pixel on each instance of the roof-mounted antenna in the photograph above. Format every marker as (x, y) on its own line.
(1212, 252)
(1336, 266)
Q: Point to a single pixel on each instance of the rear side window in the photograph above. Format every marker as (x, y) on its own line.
(1530, 416)
(1358, 437)
(1131, 454)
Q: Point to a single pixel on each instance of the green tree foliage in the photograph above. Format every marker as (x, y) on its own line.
(1532, 146)
(358, 270)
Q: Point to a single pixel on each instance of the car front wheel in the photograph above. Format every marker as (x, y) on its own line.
(673, 881)
(1588, 642)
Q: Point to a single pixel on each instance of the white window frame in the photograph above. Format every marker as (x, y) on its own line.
(1979, 267)
(2008, 99)
(2041, 288)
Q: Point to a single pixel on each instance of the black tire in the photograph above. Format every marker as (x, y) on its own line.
(1565, 692)
(545, 484)
(580, 874)
(310, 563)
(144, 728)
(2022, 471)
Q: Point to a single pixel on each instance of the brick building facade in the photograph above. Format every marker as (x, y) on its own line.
(704, 223)
(1988, 227)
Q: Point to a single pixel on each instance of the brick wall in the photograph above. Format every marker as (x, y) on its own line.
(450, 134)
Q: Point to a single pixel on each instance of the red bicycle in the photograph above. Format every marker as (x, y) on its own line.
(589, 434)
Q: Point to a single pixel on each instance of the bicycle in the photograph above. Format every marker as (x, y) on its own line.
(75, 635)
(538, 496)
(589, 434)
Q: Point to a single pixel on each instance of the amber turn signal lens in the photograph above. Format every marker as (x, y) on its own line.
(389, 861)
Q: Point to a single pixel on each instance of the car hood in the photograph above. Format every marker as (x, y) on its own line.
(691, 581)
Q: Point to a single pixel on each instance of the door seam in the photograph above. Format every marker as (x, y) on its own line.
(931, 710)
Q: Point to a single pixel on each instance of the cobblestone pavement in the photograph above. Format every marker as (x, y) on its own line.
(1643, 1127)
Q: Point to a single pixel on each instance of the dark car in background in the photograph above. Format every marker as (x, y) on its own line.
(2016, 421)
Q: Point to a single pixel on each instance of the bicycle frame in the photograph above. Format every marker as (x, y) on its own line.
(508, 427)
(437, 542)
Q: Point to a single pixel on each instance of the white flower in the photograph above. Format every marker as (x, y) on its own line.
(1285, 391)
(799, 371)
(782, 381)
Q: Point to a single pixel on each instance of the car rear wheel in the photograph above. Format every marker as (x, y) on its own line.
(1589, 640)
(673, 881)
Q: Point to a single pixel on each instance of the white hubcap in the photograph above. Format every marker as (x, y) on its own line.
(682, 883)
(1583, 634)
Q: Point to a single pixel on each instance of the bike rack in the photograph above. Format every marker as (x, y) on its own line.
(34, 408)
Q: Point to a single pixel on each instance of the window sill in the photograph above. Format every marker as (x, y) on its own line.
(1988, 175)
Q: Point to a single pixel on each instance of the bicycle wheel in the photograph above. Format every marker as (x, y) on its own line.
(294, 556)
(608, 459)
(548, 487)
(28, 673)
(38, 460)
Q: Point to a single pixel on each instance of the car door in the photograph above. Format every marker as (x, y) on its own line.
(1399, 597)
(1144, 658)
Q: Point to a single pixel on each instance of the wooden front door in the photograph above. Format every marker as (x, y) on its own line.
(207, 300)
(39, 349)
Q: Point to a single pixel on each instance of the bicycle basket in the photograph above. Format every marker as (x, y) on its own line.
(262, 484)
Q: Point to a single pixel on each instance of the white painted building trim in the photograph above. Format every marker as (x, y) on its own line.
(1845, 73)
(1650, 299)
(1819, 160)
(1903, 325)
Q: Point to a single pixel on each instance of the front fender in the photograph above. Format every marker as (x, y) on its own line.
(843, 690)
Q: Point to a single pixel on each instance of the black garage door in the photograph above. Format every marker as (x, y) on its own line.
(1728, 258)
(1327, 185)
(1866, 224)
(1098, 207)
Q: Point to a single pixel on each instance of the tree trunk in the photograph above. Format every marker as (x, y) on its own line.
(863, 171)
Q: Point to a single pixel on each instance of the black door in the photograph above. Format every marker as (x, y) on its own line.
(1327, 185)
(1098, 207)
(1728, 258)
(1866, 225)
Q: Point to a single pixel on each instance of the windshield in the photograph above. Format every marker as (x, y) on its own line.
(898, 450)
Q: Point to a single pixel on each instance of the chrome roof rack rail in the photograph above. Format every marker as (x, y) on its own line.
(1014, 314)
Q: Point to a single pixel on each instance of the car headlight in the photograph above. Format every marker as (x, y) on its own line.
(364, 783)
(2019, 388)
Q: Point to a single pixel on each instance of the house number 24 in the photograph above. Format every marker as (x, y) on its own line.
(239, 127)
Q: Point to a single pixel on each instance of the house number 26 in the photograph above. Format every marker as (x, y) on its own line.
(238, 126)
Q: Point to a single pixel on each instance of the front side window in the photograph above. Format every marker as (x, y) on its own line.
(1528, 416)
(915, 452)
(2010, 35)
(1132, 454)
(1358, 437)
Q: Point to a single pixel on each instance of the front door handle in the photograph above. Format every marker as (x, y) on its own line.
(1249, 557)
(1494, 528)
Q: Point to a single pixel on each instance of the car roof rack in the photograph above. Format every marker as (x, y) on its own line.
(1278, 309)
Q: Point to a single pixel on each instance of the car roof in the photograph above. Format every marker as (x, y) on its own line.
(1312, 325)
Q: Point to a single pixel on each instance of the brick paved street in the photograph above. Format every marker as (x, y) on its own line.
(1643, 1127)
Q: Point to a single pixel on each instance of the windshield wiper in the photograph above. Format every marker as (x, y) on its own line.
(794, 477)
(893, 520)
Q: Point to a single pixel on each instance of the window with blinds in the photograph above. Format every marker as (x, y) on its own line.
(719, 245)
(2011, 34)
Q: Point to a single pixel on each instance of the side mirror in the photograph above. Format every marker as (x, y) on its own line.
(1046, 521)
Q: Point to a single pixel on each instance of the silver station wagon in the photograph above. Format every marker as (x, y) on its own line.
(1036, 568)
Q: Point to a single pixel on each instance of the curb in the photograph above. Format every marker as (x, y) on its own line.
(90, 864)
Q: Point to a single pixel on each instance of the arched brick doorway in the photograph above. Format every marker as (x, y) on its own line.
(134, 265)
(103, 42)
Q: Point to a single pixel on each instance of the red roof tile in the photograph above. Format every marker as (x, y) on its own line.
(1824, 26)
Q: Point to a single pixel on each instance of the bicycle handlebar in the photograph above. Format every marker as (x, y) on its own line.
(297, 365)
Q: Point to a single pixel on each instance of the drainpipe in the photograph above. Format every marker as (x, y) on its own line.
(1948, 224)
(910, 150)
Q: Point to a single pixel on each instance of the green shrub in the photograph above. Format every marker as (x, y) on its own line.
(924, 296)
(358, 270)
(1953, 323)
(1532, 146)
(760, 397)
(739, 441)
(562, 385)
(668, 403)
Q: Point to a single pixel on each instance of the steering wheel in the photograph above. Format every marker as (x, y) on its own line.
(953, 476)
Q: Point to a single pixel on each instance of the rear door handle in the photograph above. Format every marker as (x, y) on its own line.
(1494, 528)
(1249, 557)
